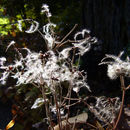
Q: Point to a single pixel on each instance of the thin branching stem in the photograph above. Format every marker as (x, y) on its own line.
(47, 109)
(74, 125)
(58, 111)
(67, 106)
(69, 92)
(127, 87)
(122, 102)
(75, 99)
(69, 32)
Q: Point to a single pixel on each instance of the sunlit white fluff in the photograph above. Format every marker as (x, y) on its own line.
(117, 67)
(10, 44)
(64, 54)
(54, 69)
(33, 28)
(50, 40)
(33, 69)
(45, 8)
(84, 43)
(2, 61)
(82, 33)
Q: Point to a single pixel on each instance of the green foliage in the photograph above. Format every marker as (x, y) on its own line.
(4, 23)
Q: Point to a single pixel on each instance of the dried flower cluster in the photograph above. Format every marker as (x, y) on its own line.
(45, 9)
(117, 67)
(39, 68)
(52, 67)
(106, 109)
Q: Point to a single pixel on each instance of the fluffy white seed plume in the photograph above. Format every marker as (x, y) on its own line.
(79, 84)
(116, 67)
(33, 28)
(84, 44)
(10, 44)
(20, 25)
(51, 67)
(82, 33)
(47, 29)
(45, 8)
(2, 61)
(106, 109)
(4, 77)
(64, 54)
(6, 69)
(33, 69)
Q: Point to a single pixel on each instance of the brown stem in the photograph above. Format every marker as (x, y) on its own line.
(46, 107)
(91, 125)
(67, 106)
(68, 112)
(58, 112)
(122, 102)
(74, 99)
(69, 32)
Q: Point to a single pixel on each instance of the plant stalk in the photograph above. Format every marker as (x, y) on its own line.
(47, 110)
(122, 102)
(58, 112)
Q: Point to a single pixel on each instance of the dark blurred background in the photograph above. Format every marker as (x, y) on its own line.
(108, 21)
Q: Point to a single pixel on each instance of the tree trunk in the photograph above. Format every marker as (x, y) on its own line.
(108, 21)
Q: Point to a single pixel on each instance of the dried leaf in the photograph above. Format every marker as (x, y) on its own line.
(79, 118)
(14, 34)
(76, 119)
(10, 125)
